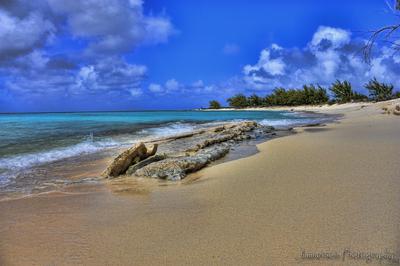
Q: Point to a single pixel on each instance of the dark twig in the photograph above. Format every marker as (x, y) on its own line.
(386, 33)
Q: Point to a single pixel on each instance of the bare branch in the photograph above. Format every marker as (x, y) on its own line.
(386, 33)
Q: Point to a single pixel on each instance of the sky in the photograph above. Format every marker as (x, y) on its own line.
(109, 55)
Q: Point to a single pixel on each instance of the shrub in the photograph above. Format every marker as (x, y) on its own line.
(214, 104)
(255, 100)
(314, 95)
(379, 91)
(309, 94)
(343, 93)
(238, 101)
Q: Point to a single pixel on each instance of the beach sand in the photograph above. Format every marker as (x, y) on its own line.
(325, 189)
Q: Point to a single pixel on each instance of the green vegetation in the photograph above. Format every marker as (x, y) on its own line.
(214, 104)
(238, 101)
(309, 94)
(343, 93)
(379, 91)
(255, 100)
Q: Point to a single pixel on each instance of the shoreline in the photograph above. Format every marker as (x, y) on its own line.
(325, 108)
(325, 189)
(88, 167)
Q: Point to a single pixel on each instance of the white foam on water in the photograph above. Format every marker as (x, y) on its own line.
(4, 180)
(10, 165)
(13, 164)
(88, 146)
(31, 159)
(293, 114)
(287, 122)
(169, 130)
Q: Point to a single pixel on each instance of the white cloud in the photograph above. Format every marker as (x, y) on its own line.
(22, 35)
(198, 83)
(156, 88)
(104, 31)
(271, 66)
(111, 75)
(335, 36)
(106, 26)
(114, 25)
(172, 85)
(135, 92)
(331, 54)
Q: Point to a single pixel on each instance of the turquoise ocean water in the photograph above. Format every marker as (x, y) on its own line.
(29, 140)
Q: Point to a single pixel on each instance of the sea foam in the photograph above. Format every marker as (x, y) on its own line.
(27, 160)
(169, 130)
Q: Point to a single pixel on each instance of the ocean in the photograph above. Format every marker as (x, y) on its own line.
(30, 141)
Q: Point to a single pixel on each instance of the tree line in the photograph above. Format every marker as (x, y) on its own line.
(341, 92)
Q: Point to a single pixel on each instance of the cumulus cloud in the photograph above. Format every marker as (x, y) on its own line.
(136, 92)
(329, 36)
(196, 88)
(172, 85)
(267, 64)
(111, 75)
(156, 88)
(112, 26)
(331, 54)
(22, 35)
(104, 31)
(108, 26)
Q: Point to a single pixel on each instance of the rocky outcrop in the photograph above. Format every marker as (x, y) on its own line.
(396, 110)
(391, 109)
(226, 132)
(178, 168)
(155, 158)
(131, 156)
(185, 153)
(151, 149)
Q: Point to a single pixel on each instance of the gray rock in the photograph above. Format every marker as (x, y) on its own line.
(155, 158)
(184, 153)
(151, 149)
(178, 168)
(121, 163)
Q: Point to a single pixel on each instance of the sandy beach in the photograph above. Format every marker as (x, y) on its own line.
(330, 189)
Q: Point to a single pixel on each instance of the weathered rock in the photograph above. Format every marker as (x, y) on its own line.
(124, 160)
(188, 155)
(151, 149)
(396, 110)
(312, 125)
(226, 133)
(218, 129)
(268, 129)
(155, 158)
(178, 168)
(212, 141)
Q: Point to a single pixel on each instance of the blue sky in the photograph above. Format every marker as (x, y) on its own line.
(132, 55)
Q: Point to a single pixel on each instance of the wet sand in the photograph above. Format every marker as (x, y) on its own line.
(325, 189)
